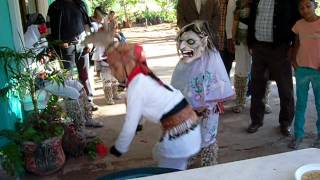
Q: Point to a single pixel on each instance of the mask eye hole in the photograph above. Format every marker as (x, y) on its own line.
(190, 41)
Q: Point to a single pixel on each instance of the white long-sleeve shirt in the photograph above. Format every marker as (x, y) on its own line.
(146, 98)
(230, 17)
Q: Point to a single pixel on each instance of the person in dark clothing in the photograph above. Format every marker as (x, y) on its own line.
(213, 11)
(67, 20)
(69, 24)
(269, 38)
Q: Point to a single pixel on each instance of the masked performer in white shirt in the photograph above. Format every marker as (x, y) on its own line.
(201, 77)
(148, 97)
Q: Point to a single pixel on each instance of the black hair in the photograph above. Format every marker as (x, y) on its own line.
(101, 10)
(35, 18)
(156, 78)
(314, 1)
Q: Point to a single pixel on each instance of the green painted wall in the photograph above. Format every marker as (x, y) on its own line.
(5, 31)
(50, 1)
(10, 108)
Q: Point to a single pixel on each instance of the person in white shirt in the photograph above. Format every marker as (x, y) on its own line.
(237, 20)
(110, 84)
(148, 97)
(201, 77)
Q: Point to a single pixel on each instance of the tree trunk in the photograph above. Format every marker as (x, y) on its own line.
(125, 12)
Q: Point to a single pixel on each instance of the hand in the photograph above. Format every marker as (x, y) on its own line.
(115, 152)
(220, 107)
(204, 112)
(292, 57)
(230, 46)
(294, 64)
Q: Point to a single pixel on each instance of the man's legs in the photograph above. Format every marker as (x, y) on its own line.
(259, 80)
(280, 70)
(68, 56)
(83, 65)
(243, 64)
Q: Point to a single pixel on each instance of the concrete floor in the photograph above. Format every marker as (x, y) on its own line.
(235, 144)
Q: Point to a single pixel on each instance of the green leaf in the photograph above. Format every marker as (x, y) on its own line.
(29, 134)
(12, 159)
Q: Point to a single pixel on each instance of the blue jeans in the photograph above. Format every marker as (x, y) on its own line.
(305, 76)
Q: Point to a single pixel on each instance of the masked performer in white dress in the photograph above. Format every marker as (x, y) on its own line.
(201, 77)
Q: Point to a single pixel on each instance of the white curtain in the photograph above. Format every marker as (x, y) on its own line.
(31, 6)
(16, 24)
(43, 6)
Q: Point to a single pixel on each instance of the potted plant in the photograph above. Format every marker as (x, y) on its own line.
(35, 144)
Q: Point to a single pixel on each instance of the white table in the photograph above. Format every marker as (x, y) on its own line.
(279, 166)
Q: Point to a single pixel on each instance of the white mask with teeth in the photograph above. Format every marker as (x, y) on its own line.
(191, 46)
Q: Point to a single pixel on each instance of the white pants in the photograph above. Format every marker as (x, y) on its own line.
(175, 153)
(70, 88)
(209, 128)
(174, 163)
(106, 76)
(243, 60)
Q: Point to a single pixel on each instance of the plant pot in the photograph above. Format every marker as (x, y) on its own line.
(45, 158)
(73, 141)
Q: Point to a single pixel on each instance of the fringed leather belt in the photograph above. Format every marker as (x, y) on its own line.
(180, 120)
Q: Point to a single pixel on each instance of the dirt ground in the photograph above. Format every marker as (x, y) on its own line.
(234, 143)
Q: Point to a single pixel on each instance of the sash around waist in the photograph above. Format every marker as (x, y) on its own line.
(182, 104)
(179, 120)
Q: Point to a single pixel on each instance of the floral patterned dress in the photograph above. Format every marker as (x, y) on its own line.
(204, 82)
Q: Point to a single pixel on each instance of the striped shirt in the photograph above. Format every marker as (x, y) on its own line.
(264, 21)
